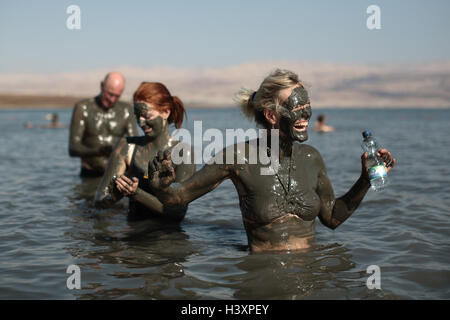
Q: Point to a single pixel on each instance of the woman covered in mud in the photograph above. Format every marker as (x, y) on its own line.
(155, 108)
(278, 210)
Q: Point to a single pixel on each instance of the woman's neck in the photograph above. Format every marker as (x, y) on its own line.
(285, 147)
(284, 144)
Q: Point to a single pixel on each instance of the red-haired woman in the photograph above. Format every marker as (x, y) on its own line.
(155, 108)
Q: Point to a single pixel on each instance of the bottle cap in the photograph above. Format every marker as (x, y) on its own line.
(366, 133)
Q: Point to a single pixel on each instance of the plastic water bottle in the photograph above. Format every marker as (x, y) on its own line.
(376, 169)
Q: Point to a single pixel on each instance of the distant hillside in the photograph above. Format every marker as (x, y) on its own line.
(25, 101)
(36, 101)
(331, 84)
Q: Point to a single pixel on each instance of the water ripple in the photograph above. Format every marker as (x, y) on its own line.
(48, 223)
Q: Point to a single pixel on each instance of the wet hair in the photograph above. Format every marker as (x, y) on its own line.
(253, 103)
(159, 96)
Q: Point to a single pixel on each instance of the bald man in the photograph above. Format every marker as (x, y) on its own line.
(98, 123)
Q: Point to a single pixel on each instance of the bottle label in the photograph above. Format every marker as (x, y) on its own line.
(376, 172)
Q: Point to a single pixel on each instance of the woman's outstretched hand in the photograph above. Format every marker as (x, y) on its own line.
(127, 186)
(161, 172)
(384, 154)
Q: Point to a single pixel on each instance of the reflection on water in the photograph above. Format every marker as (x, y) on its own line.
(145, 252)
(48, 222)
(152, 260)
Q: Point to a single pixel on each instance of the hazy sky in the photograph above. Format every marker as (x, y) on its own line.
(200, 33)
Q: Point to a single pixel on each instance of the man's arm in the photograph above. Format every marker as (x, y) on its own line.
(77, 129)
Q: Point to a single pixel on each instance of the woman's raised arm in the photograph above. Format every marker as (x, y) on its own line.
(162, 177)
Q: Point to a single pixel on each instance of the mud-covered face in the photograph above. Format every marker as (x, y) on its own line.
(110, 94)
(148, 119)
(295, 114)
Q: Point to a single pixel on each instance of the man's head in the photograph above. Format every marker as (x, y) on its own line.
(111, 89)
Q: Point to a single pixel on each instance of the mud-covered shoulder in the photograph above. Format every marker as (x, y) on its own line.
(85, 103)
(302, 147)
(122, 147)
(305, 151)
(125, 104)
(237, 153)
(126, 107)
(222, 159)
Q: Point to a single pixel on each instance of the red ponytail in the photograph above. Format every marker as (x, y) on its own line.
(177, 112)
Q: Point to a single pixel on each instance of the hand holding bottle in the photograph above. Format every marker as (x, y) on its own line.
(389, 162)
(376, 162)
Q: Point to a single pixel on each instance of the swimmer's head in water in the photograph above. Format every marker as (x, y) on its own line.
(295, 113)
(149, 120)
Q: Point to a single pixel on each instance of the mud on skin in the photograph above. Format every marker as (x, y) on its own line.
(94, 131)
(155, 125)
(298, 97)
(278, 210)
(130, 158)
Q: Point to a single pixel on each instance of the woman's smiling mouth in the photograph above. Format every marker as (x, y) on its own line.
(301, 125)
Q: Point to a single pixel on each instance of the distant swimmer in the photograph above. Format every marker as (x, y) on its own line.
(98, 124)
(127, 173)
(28, 125)
(320, 125)
(54, 122)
